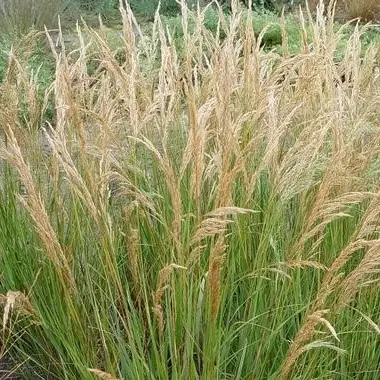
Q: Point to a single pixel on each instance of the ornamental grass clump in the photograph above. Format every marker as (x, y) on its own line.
(205, 215)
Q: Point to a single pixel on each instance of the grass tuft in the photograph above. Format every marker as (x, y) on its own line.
(203, 211)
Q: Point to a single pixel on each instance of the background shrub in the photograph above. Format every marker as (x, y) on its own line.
(147, 8)
(107, 8)
(21, 15)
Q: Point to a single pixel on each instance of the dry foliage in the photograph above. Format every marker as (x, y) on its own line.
(364, 10)
(101, 374)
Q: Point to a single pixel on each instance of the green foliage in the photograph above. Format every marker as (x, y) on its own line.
(271, 25)
(96, 5)
(264, 21)
(147, 8)
(272, 5)
(35, 57)
(107, 8)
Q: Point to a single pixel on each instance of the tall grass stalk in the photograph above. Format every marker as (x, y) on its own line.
(205, 215)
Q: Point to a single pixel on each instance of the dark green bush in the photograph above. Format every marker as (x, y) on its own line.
(97, 5)
(274, 5)
(147, 8)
